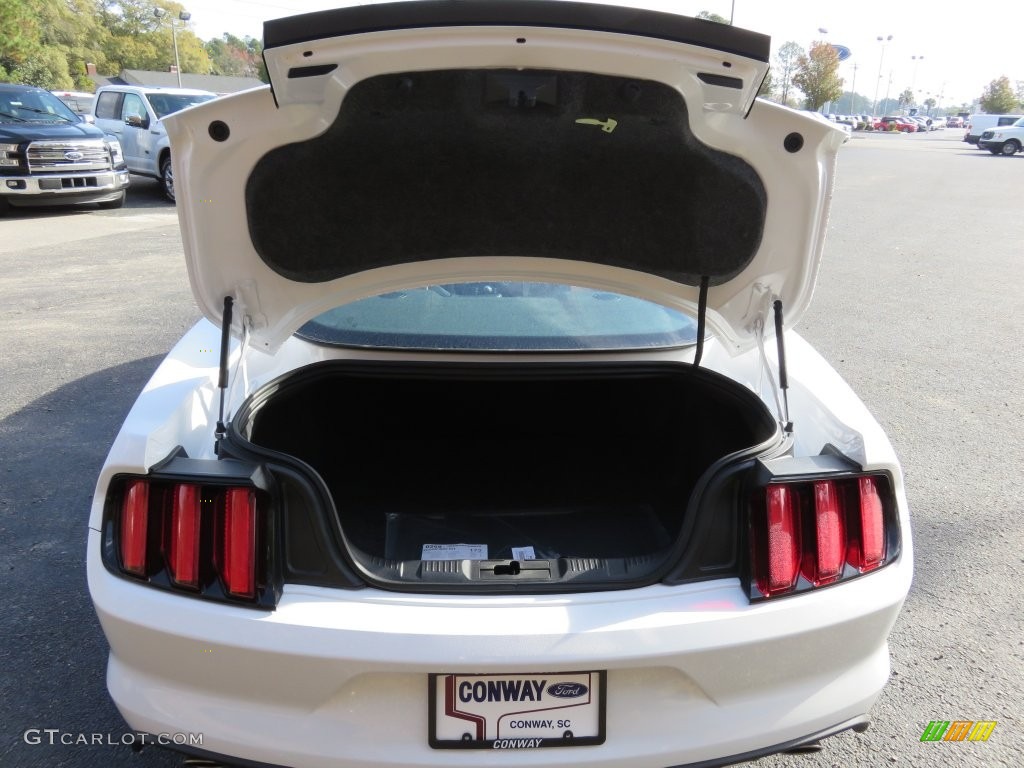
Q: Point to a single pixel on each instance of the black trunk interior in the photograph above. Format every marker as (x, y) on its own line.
(576, 462)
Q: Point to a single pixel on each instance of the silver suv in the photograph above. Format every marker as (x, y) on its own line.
(134, 113)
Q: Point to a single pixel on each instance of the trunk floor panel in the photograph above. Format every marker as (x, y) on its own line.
(552, 533)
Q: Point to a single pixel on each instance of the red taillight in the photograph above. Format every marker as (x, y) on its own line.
(781, 545)
(825, 554)
(867, 530)
(184, 535)
(190, 536)
(134, 527)
(238, 542)
(815, 532)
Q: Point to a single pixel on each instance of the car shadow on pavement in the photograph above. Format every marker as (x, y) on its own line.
(987, 154)
(53, 653)
(145, 192)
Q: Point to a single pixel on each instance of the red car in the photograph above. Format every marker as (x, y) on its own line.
(901, 124)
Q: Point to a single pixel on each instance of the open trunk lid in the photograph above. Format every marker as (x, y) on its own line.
(414, 143)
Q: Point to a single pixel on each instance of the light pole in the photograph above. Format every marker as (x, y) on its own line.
(853, 87)
(913, 77)
(184, 16)
(883, 41)
(824, 34)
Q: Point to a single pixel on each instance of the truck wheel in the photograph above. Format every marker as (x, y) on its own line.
(117, 202)
(1011, 147)
(167, 176)
(4, 206)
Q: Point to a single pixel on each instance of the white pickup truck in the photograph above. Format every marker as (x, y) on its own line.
(978, 124)
(1004, 140)
(134, 114)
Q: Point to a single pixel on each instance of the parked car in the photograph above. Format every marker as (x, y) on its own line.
(135, 115)
(510, 444)
(954, 121)
(51, 156)
(845, 127)
(980, 123)
(847, 120)
(1007, 140)
(901, 124)
(868, 122)
(938, 123)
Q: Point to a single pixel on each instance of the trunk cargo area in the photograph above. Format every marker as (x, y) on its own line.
(592, 463)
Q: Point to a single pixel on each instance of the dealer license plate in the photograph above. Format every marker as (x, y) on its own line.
(523, 711)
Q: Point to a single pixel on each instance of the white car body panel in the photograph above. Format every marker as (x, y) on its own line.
(335, 678)
(339, 676)
(222, 262)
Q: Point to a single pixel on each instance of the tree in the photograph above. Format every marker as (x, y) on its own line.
(767, 87)
(817, 75)
(854, 103)
(47, 43)
(45, 69)
(998, 97)
(19, 33)
(139, 39)
(72, 29)
(906, 98)
(930, 104)
(786, 62)
(135, 17)
(230, 55)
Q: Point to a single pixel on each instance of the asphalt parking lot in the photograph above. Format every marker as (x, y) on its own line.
(918, 305)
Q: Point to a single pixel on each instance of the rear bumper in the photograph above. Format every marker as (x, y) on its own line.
(67, 188)
(696, 675)
(857, 724)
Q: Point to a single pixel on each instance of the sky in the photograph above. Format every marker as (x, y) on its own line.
(947, 51)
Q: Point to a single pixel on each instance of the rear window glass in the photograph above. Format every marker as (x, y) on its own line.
(503, 317)
(167, 103)
(107, 106)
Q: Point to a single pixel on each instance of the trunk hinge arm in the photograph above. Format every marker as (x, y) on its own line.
(222, 378)
(702, 313)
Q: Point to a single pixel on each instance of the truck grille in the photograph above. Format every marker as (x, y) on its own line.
(68, 156)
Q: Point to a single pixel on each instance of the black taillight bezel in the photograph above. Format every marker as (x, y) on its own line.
(802, 474)
(213, 477)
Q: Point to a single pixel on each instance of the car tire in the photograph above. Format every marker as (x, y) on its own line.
(1011, 147)
(4, 206)
(167, 177)
(117, 202)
